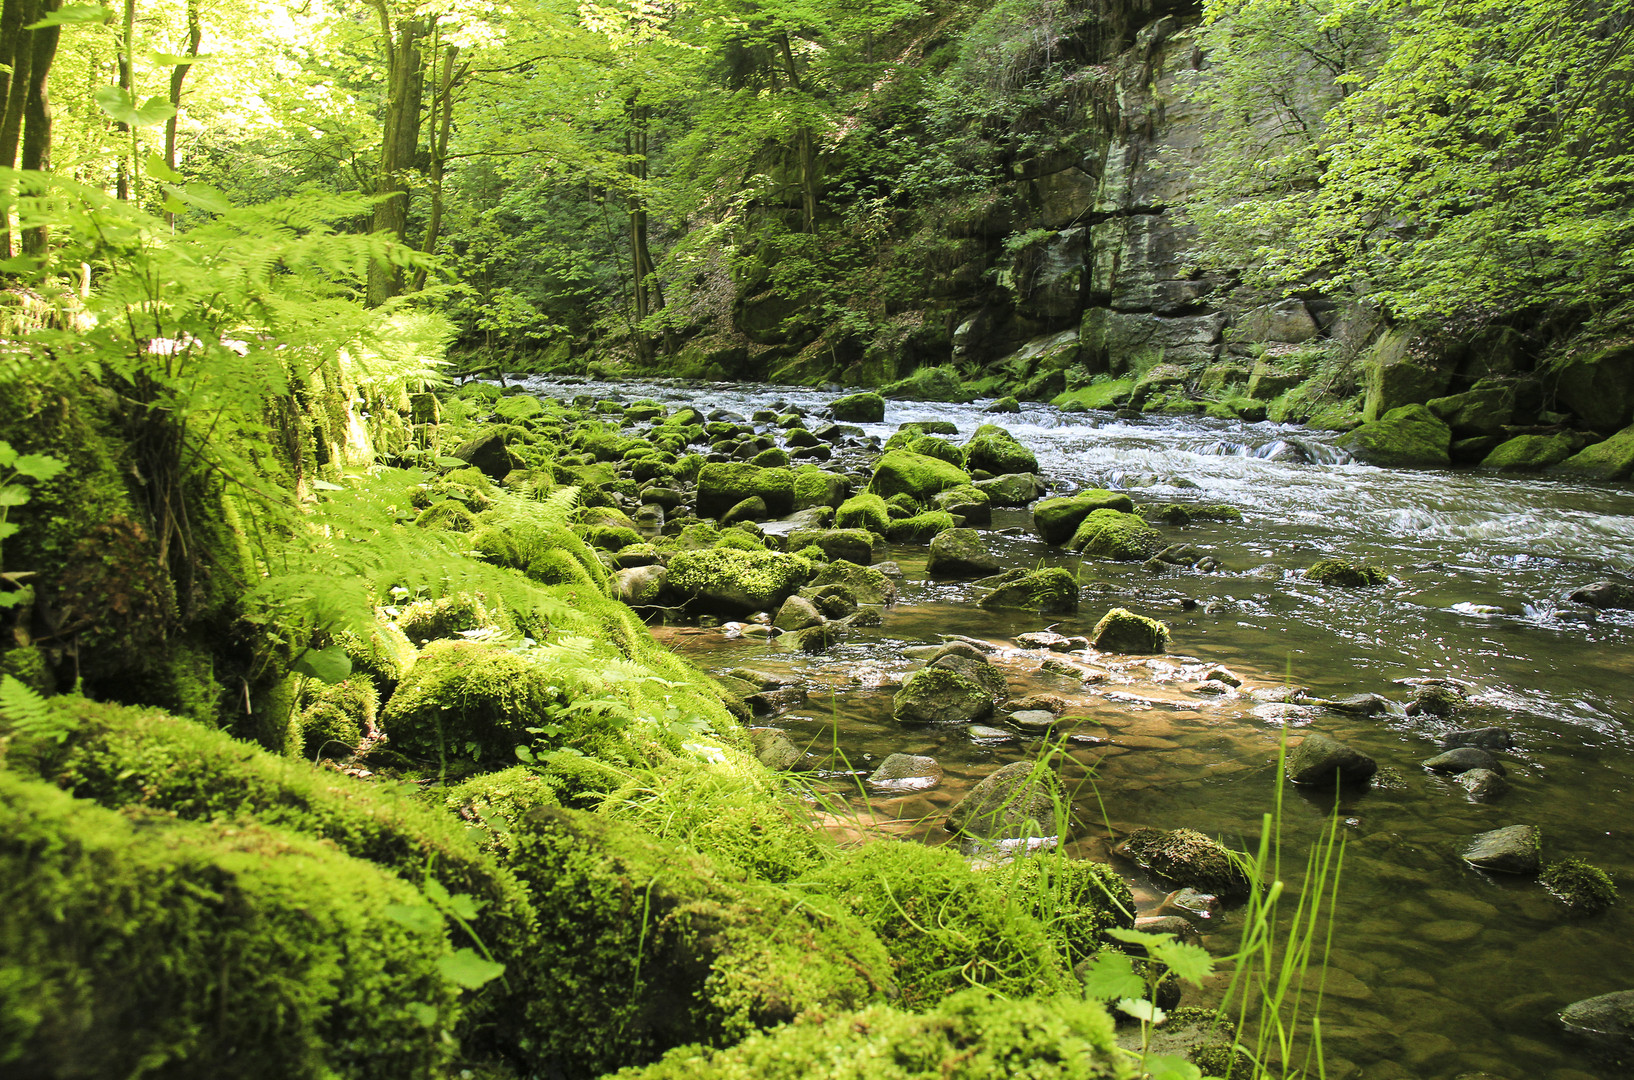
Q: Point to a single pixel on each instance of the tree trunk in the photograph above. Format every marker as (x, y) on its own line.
(646, 297)
(127, 83)
(805, 150)
(178, 74)
(442, 108)
(36, 154)
(400, 134)
(17, 54)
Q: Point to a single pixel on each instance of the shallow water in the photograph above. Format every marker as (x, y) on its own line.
(1436, 969)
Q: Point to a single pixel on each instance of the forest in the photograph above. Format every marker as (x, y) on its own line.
(840, 539)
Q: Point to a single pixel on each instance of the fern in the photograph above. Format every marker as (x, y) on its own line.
(28, 714)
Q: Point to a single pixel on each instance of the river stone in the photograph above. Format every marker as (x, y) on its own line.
(965, 501)
(1033, 719)
(851, 545)
(1055, 520)
(907, 771)
(1605, 594)
(641, 586)
(868, 584)
(1050, 590)
(774, 749)
(1122, 631)
(753, 509)
(916, 475)
(1110, 534)
(960, 553)
(1345, 574)
(1510, 850)
(1482, 784)
(1186, 857)
(985, 734)
(1487, 738)
(834, 601)
(1437, 699)
(1612, 459)
(1044, 639)
(1222, 674)
(723, 485)
(947, 648)
(811, 517)
(1406, 437)
(1321, 761)
(863, 408)
(941, 695)
(1354, 704)
(1016, 800)
(797, 613)
(1178, 925)
(1462, 759)
(1190, 902)
(487, 453)
(817, 638)
(761, 680)
(1012, 489)
(981, 672)
(1051, 703)
(994, 450)
(1607, 1018)
(772, 701)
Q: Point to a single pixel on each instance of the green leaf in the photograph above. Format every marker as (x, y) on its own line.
(155, 166)
(74, 15)
(330, 665)
(1170, 1067)
(13, 495)
(325, 485)
(449, 462)
(164, 59)
(8, 529)
(1141, 1009)
(417, 917)
(40, 466)
(464, 906)
(119, 103)
(523, 753)
(1138, 937)
(436, 892)
(425, 1014)
(1111, 975)
(1190, 962)
(465, 968)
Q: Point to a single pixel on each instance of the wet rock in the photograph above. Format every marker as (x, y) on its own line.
(1012, 489)
(752, 509)
(1354, 704)
(1483, 785)
(1179, 555)
(1050, 591)
(960, 553)
(1055, 520)
(1122, 631)
(983, 734)
(1437, 699)
(1605, 594)
(1410, 436)
(1222, 674)
(864, 408)
(1607, 1019)
(1067, 668)
(1276, 694)
(1108, 534)
(667, 498)
(1017, 800)
(817, 638)
(724, 485)
(1583, 889)
(1532, 453)
(866, 618)
(1322, 761)
(852, 545)
(965, 501)
(956, 647)
(641, 586)
(771, 702)
(774, 749)
(868, 584)
(761, 680)
(1052, 703)
(1213, 688)
(1186, 857)
(1178, 925)
(812, 517)
(994, 450)
(910, 772)
(915, 475)
(990, 678)
(1345, 574)
(940, 695)
(835, 601)
(1190, 903)
(1612, 459)
(1033, 720)
(1045, 639)
(1462, 759)
(1511, 850)
(797, 613)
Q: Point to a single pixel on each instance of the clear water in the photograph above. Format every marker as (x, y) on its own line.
(1437, 970)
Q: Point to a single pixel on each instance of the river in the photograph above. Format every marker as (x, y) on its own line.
(1437, 970)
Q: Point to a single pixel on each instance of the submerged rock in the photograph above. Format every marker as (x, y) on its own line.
(1051, 591)
(1015, 801)
(1461, 759)
(1322, 761)
(1483, 785)
(960, 553)
(1605, 594)
(941, 695)
(1487, 738)
(774, 749)
(868, 584)
(1346, 574)
(1582, 888)
(1186, 857)
(1511, 850)
(907, 771)
(1608, 1018)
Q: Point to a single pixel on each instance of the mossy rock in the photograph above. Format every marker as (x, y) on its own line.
(514, 410)
(994, 450)
(972, 1035)
(1346, 574)
(1055, 520)
(733, 581)
(547, 554)
(865, 511)
(929, 384)
(434, 619)
(920, 528)
(1018, 801)
(382, 653)
(1077, 900)
(334, 718)
(1049, 591)
(867, 585)
(1612, 459)
(1098, 395)
(773, 458)
(915, 475)
(1583, 888)
(818, 487)
(447, 516)
(1122, 631)
(1187, 858)
(1406, 437)
(1530, 453)
(941, 695)
(946, 926)
(722, 485)
(852, 545)
(158, 946)
(1112, 534)
(862, 408)
(650, 945)
(938, 448)
(609, 537)
(468, 700)
(966, 501)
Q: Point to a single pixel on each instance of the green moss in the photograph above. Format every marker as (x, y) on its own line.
(734, 580)
(1121, 630)
(722, 485)
(929, 384)
(468, 700)
(1097, 395)
(1409, 436)
(940, 449)
(152, 946)
(1050, 590)
(971, 1036)
(920, 528)
(915, 475)
(1111, 534)
(1056, 520)
(946, 926)
(865, 511)
(381, 652)
(27, 665)
(1530, 453)
(1346, 574)
(609, 537)
(548, 554)
(1076, 900)
(867, 585)
(446, 617)
(1186, 857)
(863, 408)
(993, 449)
(334, 718)
(817, 487)
(1612, 459)
(447, 516)
(1583, 888)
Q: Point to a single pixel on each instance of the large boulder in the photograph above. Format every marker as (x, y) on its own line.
(941, 695)
(1012, 489)
(1605, 594)
(1599, 387)
(641, 586)
(928, 384)
(1049, 591)
(1055, 520)
(865, 511)
(818, 487)
(994, 450)
(863, 408)
(853, 545)
(960, 553)
(1018, 800)
(724, 484)
(1407, 437)
(471, 696)
(965, 501)
(1401, 368)
(915, 475)
(1186, 858)
(733, 581)
(1482, 410)
(486, 452)
(1530, 453)
(1612, 459)
(866, 584)
(1607, 1019)
(1111, 534)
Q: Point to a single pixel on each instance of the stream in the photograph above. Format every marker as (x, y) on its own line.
(1436, 970)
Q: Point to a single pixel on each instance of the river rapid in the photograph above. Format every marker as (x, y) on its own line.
(1436, 970)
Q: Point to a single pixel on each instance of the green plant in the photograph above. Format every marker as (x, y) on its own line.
(16, 472)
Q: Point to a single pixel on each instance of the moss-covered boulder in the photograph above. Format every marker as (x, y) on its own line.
(920, 528)
(486, 451)
(1017, 801)
(469, 700)
(928, 445)
(1112, 534)
(1012, 489)
(994, 450)
(1055, 520)
(1187, 858)
(915, 475)
(965, 501)
(852, 545)
(723, 485)
(1530, 453)
(1077, 900)
(1346, 574)
(928, 384)
(970, 1036)
(865, 511)
(1050, 591)
(1410, 436)
(867, 585)
(946, 926)
(735, 582)
(941, 695)
(863, 408)
(1122, 631)
(1612, 459)
(148, 945)
(960, 553)
(818, 487)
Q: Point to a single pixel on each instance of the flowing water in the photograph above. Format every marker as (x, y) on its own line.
(1437, 970)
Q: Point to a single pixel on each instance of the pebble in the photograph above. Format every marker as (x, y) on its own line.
(985, 734)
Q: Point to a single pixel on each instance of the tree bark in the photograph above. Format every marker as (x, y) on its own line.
(405, 81)
(127, 83)
(442, 107)
(805, 150)
(178, 75)
(36, 152)
(17, 53)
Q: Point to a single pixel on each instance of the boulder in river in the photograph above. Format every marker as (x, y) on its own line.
(797, 613)
(1322, 761)
(915, 475)
(1612, 459)
(1584, 889)
(723, 485)
(1012, 489)
(1461, 759)
(940, 695)
(1608, 1019)
(774, 749)
(981, 672)
(864, 511)
(1122, 631)
(1437, 699)
(1017, 800)
(1605, 594)
(852, 545)
(994, 450)
(868, 584)
(1051, 591)
(1510, 850)
(1110, 534)
(1483, 785)
(1346, 574)
(1055, 520)
(1186, 857)
(907, 772)
(641, 586)
(863, 408)
(960, 553)
(1410, 436)
(731, 581)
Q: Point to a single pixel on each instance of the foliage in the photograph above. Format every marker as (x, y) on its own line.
(17, 471)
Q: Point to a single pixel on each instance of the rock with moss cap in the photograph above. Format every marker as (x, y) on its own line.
(1050, 591)
(1346, 574)
(1012, 489)
(862, 408)
(1018, 800)
(960, 553)
(941, 695)
(818, 487)
(1406, 437)
(1186, 857)
(965, 501)
(1531, 453)
(1322, 761)
(1612, 459)
(468, 698)
(852, 545)
(930, 446)
(920, 528)
(915, 475)
(1111, 534)
(1122, 631)
(1055, 520)
(723, 485)
(994, 450)
(865, 511)
(1584, 889)
(1078, 900)
(928, 384)
(1511, 850)
(732, 581)
(1606, 1020)
(867, 585)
